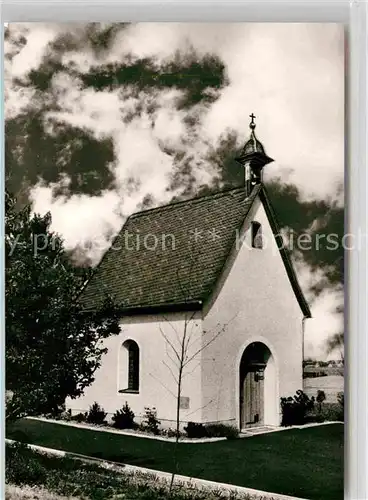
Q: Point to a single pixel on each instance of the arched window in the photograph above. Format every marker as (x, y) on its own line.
(129, 367)
(257, 240)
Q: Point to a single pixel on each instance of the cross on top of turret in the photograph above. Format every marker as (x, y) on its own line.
(252, 125)
(253, 158)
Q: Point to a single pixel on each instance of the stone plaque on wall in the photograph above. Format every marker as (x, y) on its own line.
(184, 403)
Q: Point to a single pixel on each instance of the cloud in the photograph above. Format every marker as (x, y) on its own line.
(98, 218)
(327, 307)
(324, 323)
(38, 36)
(104, 119)
(291, 76)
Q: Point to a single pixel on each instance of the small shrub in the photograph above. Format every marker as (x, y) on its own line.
(222, 430)
(79, 417)
(321, 396)
(195, 430)
(340, 400)
(295, 409)
(66, 415)
(171, 433)
(96, 414)
(316, 417)
(124, 418)
(332, 412)
(214, 430)
(151, 422)
(141, 426)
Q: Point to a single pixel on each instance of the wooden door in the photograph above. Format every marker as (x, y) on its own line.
(252, 398)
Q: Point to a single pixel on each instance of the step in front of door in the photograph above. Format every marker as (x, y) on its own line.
(257, 430)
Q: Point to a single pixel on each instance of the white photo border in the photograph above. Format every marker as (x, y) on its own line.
(353, 14)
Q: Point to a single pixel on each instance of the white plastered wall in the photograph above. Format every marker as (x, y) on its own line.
(158, 367)
(254, 302)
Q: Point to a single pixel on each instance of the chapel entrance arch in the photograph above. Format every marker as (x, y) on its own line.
(258, 399)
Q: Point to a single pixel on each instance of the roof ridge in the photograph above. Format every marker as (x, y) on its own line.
(196, 199)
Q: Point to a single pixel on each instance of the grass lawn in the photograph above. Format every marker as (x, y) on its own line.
(35, 476)
(307, 463)
(13, 492)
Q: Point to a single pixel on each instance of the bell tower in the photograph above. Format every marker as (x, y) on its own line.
(253, 158)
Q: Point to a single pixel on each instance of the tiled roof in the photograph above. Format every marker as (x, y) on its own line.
(171, 256)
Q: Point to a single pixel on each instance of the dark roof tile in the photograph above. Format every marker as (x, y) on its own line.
(157, 260)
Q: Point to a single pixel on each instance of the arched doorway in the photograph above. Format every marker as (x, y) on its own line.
(257, 387)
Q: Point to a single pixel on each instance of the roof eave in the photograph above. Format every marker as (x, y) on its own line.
(193, 305)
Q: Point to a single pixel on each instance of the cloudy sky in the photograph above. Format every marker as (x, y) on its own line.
(102, 120)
